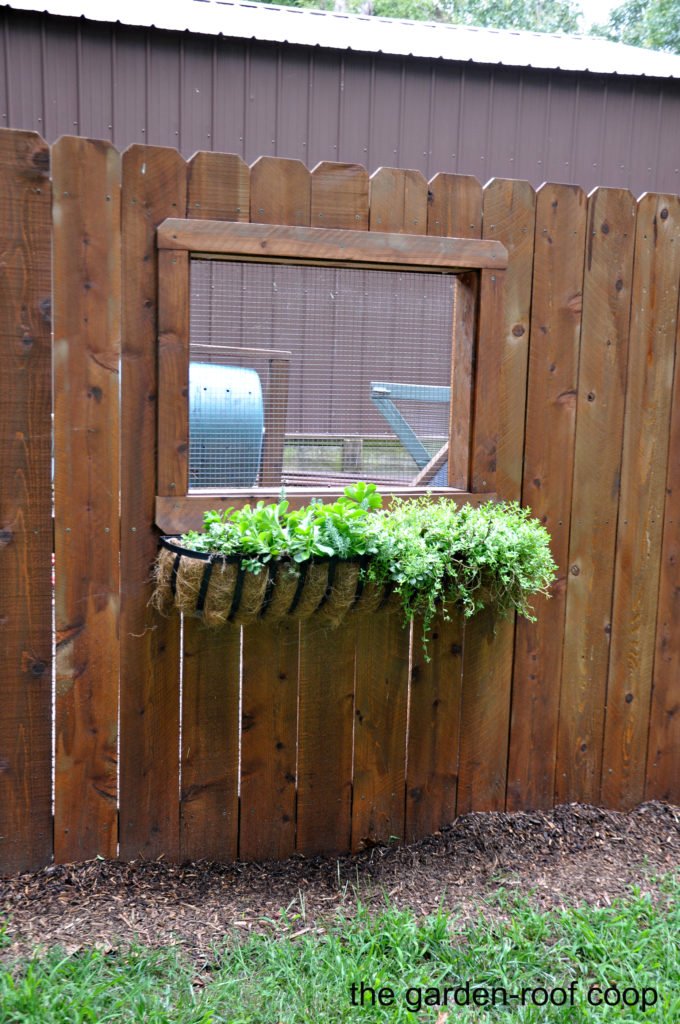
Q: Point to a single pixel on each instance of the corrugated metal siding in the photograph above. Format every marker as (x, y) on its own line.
(65, 76)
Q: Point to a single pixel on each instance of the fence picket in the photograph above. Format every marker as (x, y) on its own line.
(339, 196)
(398, 201)
(327, 656)
(454, 206)
(662, 777)
(218, 189)
(210, 732)
(643, 477)
(269, 741)
(86, 210)
(608, 272)
(153, 188)
(434, 727)
(382, 659)
(547, 477)
(281, 190)
(25, 505)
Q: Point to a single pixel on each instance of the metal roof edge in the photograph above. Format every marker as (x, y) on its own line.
(365, 34)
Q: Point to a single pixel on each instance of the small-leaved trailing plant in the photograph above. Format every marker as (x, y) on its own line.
(435, 554)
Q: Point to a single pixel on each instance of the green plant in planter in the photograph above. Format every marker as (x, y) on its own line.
(434, 554)
(341, 529)
(437, 554)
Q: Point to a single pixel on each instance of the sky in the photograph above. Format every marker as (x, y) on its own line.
(596, 10)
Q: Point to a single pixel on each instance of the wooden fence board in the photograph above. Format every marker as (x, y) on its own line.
(268, 741)
(173, 372)
(662, 776)
(154, 187)
(280, 191)
(398, 201)
(86, 212)
(270, 657)
(218, 187)
(488, 363)
(454, 206)
(382, 674)
(326, 702)
(339, 196)
(509, 217)
(327, 672)
(461, 406)
(485, 712)
(434, 727)
(643, 478)
(547, 478)
(25, 505)
(210, 735)
(607, 280)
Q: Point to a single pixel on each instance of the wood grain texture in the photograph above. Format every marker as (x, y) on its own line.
(173, 372)
(488, 364)
(210, 737)
(454, 206)
(434, 727)
(643, 479)
(153, 188)
(607, 281)
(269, 741)
(547, 482)
(455, 209)
(271, 654)
(25, 505)
(326, 702)
(86, 310)
(509, 218)
(327, 683)
(461, 406)
(384, 246)
(280, 191)
(218, 187)
(662, 776)
(339, 196)
(485, 713)
(398, 201)
(382, 669)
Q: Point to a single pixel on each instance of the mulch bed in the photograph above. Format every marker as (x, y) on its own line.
(571, 854)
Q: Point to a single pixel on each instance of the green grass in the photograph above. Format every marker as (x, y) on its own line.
(625, 949)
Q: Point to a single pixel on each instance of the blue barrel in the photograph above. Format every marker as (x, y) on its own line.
(226, 421)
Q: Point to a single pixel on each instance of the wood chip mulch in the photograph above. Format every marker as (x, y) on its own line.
(571, 854)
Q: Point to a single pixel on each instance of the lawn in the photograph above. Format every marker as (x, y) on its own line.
(513, 963)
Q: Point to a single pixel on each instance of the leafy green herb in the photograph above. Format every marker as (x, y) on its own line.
(434, 553)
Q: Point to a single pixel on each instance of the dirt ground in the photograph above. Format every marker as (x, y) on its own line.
(572, 854)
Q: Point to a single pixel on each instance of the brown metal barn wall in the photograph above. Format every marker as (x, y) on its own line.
(65, 76)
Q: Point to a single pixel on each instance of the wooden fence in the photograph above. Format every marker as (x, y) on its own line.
(582, 705)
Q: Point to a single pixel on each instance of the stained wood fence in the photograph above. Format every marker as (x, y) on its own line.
(347, 736)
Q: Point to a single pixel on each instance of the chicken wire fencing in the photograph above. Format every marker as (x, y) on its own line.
(318, 375)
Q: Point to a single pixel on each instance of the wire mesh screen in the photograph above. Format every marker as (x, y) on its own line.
(318, 376)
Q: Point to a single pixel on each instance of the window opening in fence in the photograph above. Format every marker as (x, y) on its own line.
(318, 376)
(309, 358)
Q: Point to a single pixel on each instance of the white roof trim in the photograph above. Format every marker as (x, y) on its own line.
(243, 20)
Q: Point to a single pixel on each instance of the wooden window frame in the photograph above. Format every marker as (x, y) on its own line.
(471, 260)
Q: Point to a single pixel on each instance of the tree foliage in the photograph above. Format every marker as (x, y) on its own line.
(529, 15)
(654, 24)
